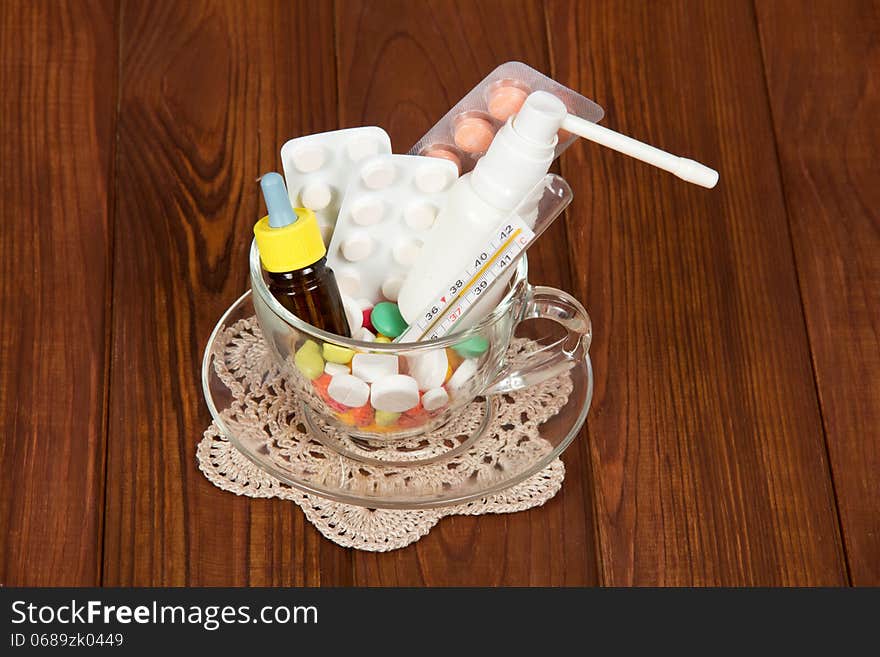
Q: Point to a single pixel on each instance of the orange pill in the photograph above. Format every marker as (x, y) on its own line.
(363, 415)
(444, 154)
(506, 101)
(473, 134)
(320, 384)
(414, 417)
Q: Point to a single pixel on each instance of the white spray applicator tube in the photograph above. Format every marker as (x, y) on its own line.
(686, 169)
(543, 112)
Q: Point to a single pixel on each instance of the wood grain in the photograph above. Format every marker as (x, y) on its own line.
(733, 435)
(705, 434)
(402, 65)
(822, 61)
(57, 94)
(210, 92)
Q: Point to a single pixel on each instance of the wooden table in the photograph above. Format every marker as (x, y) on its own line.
(733, 437)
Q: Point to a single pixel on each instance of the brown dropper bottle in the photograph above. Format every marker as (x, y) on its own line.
(294, 264)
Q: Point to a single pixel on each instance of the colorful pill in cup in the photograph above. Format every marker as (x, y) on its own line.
(386, 392)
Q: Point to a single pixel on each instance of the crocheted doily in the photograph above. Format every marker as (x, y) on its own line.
(487, 440)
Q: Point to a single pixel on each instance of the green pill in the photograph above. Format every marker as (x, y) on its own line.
(474, 346)
(387, 320)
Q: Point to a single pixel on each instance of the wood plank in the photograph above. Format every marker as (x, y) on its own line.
(706, 437)
(402, 65)
(58, 100)
(821, 61)
(210, 91)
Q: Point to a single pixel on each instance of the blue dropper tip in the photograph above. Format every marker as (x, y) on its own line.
(277, 201)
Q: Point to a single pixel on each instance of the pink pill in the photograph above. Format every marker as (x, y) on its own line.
(506, 101)
(443, 154)
(473, 134)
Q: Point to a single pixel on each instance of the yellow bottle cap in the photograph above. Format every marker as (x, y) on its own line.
(290, 247)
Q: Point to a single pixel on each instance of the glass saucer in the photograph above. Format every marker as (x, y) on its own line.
(494, 443)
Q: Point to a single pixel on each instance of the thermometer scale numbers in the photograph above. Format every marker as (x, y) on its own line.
(502, 249)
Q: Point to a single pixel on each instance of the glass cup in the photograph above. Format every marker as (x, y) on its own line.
(434, 378)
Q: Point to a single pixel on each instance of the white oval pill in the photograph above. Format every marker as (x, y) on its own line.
(349, 282)
(349, 390)
(432, 179)
(435, 398)
(462, 375)
(365, 304)
(353, 314)
(428, 368)
(372, 367)
(391, 288)
(316, 196)
(361, 147)
(309, 158)
(357, 247)
(406, 253)
(395, 394)
(335, 368)
(378, 175)
(364, 335)
(420, 216)
(368, 212)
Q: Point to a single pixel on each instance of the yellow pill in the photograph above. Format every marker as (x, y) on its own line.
(386, 418)
(454, 358)
(382, 338)
(308, 360)
(336, 354)
(448, 373)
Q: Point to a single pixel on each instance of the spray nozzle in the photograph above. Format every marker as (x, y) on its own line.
(277, 201)
(540, 117)
(543, 114)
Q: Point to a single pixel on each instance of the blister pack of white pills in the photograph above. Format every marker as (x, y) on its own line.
(318, 168)
(386, 213)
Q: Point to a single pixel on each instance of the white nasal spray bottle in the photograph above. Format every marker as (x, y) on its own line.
(519, 156)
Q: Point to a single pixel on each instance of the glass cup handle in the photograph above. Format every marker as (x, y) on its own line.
(552, 359)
